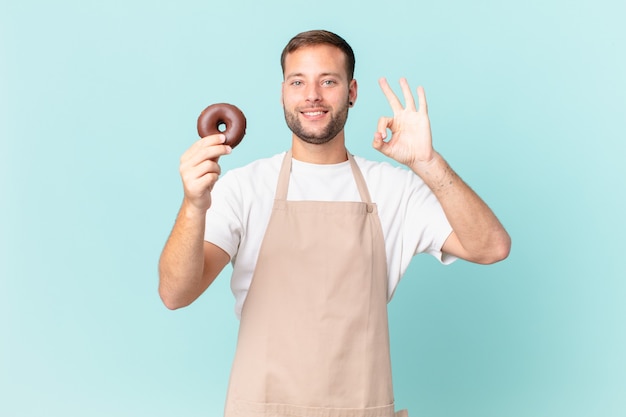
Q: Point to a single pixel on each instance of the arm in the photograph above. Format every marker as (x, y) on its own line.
(188, 264)
(477, 234)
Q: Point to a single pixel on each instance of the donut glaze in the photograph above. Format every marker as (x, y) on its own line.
(215, 115)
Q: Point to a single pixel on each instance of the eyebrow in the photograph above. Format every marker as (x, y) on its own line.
(324, 74)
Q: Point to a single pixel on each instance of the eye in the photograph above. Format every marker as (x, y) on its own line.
(296, 83)
(329, 82)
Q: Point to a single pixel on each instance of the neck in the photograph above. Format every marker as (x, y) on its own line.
(331, 152)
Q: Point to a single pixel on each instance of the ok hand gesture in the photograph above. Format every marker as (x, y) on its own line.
(411, 141)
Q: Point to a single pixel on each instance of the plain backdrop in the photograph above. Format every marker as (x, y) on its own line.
(98, 100)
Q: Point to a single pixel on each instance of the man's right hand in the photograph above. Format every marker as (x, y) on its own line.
(199, 170)
(188, 264)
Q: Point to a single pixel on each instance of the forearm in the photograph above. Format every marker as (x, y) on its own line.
(479, 232)
(182, 261)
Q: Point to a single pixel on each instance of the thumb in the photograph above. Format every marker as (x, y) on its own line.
(381, 134)
(384, 123)
(380, 145)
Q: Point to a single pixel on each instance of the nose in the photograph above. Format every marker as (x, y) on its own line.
(312, 93)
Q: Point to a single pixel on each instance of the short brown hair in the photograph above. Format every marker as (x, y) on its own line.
(320, 37)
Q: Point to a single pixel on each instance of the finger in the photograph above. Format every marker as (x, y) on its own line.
(206, 167)
(214, 152)
(208, 180)
(384, 123)
(421, 99)
(200, 185)
(393, 100)
(408, 96)
(196, 169)
(205, 142)
(200, 152)
(379, 144)
(199, 179)
(211, 140)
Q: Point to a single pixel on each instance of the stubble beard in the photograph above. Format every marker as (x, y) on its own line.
(335, 125)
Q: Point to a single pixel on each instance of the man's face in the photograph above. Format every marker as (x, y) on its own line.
(316, 93)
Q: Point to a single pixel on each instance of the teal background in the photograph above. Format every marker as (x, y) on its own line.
(98, 100)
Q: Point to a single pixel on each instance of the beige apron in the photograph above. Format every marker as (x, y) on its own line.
(313, 339)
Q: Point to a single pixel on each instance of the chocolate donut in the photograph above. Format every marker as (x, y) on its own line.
(219, 114)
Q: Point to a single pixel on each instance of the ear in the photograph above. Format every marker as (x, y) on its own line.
(352, 92)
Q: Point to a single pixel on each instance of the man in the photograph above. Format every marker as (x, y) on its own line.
(319, 239)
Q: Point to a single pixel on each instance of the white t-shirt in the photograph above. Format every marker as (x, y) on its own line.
(411, 217)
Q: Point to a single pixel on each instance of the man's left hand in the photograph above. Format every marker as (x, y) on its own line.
(411, 140)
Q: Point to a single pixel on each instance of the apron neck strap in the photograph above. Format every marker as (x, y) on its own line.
(285, 171)
(360, 181)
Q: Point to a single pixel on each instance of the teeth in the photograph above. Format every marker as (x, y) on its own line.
(315, 113)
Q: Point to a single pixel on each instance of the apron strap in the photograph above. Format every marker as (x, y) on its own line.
(285, 170)
(360, 181)
(283, 178)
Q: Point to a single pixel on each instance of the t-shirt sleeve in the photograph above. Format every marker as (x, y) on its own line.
(426, 226)
(224, 217)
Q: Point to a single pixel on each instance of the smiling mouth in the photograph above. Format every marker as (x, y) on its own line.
(314, 114)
